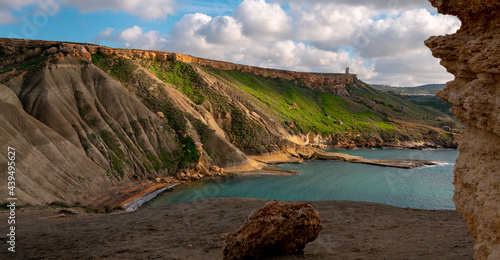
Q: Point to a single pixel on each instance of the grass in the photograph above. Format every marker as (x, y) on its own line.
(314, 112)
(363, 111)
(120, 68)
(178, 74)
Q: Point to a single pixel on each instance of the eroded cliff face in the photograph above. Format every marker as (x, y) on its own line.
(473, 56)
(314, 81)
(77, 130)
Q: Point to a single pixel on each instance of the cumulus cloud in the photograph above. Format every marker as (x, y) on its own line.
(395, 36)
(381, 41)
(376, 5)
(413, 68)
(224, 38)
(263, 20)
(134, 37)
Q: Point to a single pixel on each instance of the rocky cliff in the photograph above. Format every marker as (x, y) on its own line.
(472, 54)
(77, 130)
(324, 81)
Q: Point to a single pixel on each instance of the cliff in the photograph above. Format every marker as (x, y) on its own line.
(324, 81)
(472, 54)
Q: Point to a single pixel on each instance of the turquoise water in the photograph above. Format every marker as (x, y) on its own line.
(428, 187)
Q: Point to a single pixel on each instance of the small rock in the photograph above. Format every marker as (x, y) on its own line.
(201, 169)
(276, 229)
(158, 180)
(160, 115)
(51, 51)
(68, 211)
(215, 169)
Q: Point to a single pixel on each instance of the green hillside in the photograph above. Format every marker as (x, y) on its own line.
(428, 89)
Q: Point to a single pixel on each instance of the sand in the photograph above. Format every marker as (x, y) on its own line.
(191, 230)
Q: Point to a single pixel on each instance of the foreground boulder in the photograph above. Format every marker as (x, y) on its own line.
(277, 228)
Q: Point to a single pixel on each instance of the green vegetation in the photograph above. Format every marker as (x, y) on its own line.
(117, 156)
(308, 109)
(431, 101)
(353, 112)
(429, 89)
(25, 65)
(120, 68)
(178, 74)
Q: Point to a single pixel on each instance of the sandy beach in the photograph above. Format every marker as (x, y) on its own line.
(191, 230)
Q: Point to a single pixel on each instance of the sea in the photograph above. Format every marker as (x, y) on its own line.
(427, 187)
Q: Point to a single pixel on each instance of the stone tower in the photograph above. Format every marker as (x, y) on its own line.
(347, 71)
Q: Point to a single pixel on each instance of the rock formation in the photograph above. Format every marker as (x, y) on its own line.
(472, 54)
(277, 228)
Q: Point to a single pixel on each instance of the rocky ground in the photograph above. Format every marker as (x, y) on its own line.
(191, 230)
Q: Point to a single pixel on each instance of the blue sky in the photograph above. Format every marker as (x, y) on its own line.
(380, 40)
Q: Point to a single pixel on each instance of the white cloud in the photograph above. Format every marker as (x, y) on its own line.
(381, 41)
(12, 5)
(413, 68)
(133, 37)
(395, 36)
(376, 5)
(262, 20)
(222, 30)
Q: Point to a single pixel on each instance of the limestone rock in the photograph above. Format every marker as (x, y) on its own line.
(160, 114)
(202, 169)
(472, 54)
(51, 51)
(83, 53)
(277, 228)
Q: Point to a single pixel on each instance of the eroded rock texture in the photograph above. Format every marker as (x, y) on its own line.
(277, 228)
(473, 56)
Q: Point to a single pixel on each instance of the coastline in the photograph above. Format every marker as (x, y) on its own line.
(131, 196)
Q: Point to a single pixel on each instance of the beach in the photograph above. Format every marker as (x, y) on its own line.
(191, 230)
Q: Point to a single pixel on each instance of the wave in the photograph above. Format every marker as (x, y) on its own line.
(439, 164)
(134, 205)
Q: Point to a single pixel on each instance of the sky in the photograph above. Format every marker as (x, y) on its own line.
(380, 40)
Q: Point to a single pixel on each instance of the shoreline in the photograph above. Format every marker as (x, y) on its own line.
(133, 195)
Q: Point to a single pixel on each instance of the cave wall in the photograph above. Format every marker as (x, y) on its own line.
(472, 54)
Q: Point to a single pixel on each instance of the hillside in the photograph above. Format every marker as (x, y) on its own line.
(83, 118)
(421, 95)
(429, 89)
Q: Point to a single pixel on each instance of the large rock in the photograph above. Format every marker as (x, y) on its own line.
(473, 56)
(277, 228)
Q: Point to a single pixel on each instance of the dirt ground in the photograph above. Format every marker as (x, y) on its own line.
(191, 230)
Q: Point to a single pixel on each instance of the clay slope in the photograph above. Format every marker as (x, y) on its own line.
(472, 55)
(48, 166)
